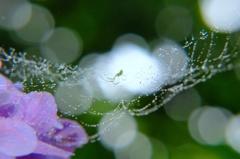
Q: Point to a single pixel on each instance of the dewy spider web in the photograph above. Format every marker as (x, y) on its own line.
(205, 59)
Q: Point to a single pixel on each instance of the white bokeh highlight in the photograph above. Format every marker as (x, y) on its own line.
(207, 125)
(140, 148)
(131, 68)
(61, 45)
(40, 22)
(117, 130)
(15, 14)
(73, 99)
(232, 133)
(141, 73)
(174, 60)
(128, 69)
(221, 15)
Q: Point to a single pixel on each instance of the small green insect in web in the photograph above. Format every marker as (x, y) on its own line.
(120, 73)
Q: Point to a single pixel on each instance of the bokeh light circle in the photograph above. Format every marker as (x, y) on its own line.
(140, 148)
(182, 105)
(61, 45)
(174, 22)
(232, 133)
(117, 130)
(40, 22)
(14, 14)
(70, 103)
(174, 60)
(221, 15)
(207, 125)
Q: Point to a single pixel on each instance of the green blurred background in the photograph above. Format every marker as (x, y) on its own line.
(99, 23)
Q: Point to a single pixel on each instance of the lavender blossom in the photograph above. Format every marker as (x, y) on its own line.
(30, 127)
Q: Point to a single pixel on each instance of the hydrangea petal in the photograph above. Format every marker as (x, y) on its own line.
(16, 137)
(72, 134)
(10, 94)
(47, 149)
(7, 110)
(40, 111)
(38, 156)
(69, 137)
(7, 85)
(29, 126)
(4, 97)
(4, 82)
(2, 156)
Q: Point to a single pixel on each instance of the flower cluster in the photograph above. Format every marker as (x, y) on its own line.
(30, 127)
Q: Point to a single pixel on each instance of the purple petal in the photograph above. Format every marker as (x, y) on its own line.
(10, 96)
(69, 137)
(47, 149)
(16, 137)
(19, 86)
(6, 84)
(7, 106)
(38, 156)
(2, 156)
(40, 111)
(72, 134)
(8, 92)
(8, 110)
(4, 97)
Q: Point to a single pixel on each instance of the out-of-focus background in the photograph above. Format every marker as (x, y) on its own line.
(199, 123)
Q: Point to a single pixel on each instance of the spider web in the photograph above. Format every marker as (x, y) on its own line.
(205, 59)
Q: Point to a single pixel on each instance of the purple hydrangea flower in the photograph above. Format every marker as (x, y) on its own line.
(30, 127)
